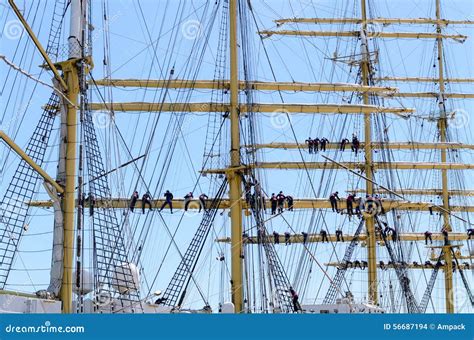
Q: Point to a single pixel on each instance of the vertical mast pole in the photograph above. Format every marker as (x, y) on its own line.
(233, 175)
(369, 221)
(442, 125)
(68, 204)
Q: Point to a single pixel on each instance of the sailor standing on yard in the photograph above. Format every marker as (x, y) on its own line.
(133, 200)
(339, 236)
(343, 144)
(305, 237)
(316, 145)
(276, 237)
(324, 235)
(349, 201)
(281, 201)
(146, 199)
(187, 199)
(273, 201)
(309, 142)
(168, 201)
(428, 237)
(287, 238)
(289, 200)
(333, 199)
(202, 200)
(324, 142)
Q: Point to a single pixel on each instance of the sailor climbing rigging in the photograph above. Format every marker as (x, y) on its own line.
(355, 145)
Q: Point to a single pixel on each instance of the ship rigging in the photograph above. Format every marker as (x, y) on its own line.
(406, 178)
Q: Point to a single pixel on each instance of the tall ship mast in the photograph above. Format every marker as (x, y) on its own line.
(170, 170)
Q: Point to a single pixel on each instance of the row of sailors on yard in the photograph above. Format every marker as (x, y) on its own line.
(323, 234)
(277, 202)
(386, 231)
(428, 235)
(314, 145)
(146, 201)
(356, 204)
(390, 264)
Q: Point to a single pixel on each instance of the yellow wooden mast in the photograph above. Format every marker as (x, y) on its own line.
(369, 221)
(70, 88)
(233, 175)
(68, 203)
(448, 270)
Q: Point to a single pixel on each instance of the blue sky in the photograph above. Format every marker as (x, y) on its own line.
(172, 26)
